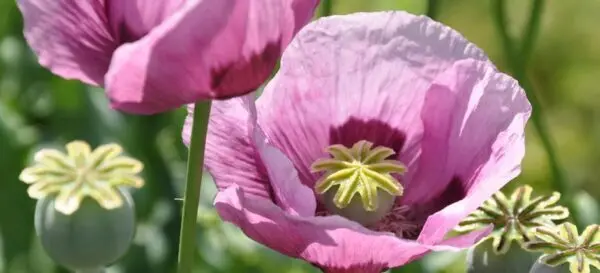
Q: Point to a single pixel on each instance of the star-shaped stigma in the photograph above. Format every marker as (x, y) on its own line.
(515, 217)
(361, 170)
(80, 173)
(563, 244)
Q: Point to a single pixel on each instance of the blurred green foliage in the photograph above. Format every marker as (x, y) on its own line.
(38, 109)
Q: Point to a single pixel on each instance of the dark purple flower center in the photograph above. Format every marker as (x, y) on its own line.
(392, 214)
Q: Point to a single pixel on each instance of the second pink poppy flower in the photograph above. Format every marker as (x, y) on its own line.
(153, 56)
(378, 135)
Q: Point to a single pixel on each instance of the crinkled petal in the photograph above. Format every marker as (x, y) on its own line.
(327, 242)
(357, 77)
(294, 197)
(71, 38)
(290, 194)
(206, 49)
(230, 156)
(332, 243)
(474, 119)
(466, 240)
(238, 153)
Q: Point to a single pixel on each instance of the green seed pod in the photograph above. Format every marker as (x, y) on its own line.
(91, 237)
(483, 258)
(84, 217)
(539, 267)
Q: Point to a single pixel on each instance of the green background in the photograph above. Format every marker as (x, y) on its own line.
(38, 109)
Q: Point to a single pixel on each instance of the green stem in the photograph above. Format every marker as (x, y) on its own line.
(517, 62)
(415, 266)
(191, 200)
(327, 7)
(532, 30)
(92, 270)
(432, 9)
(505, 39)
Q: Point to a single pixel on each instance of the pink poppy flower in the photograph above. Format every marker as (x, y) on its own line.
(156, 55)
(380, 132)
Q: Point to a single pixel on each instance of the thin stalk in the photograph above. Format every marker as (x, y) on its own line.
(432, 9)
(505, 39)
(517, 59)
(326, 8)
(415, 266)
(191, 200)
(532, 30)
(92, 270)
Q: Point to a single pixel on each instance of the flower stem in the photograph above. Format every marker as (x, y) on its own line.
(517, 58)
(191, 200)
(327, 8)
(532, 30)
(432, 9)
(92, 270)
